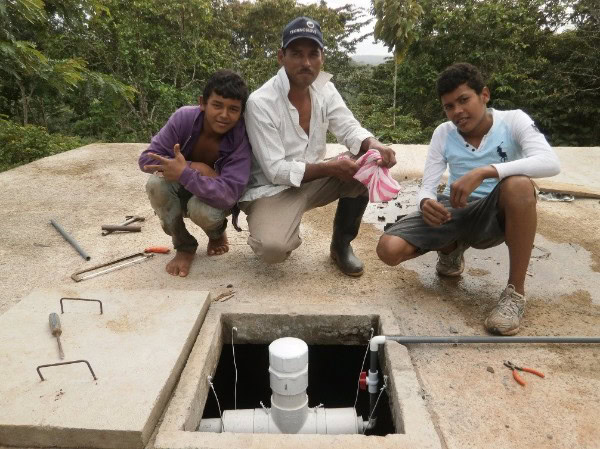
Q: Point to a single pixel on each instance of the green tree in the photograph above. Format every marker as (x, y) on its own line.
(396, 27)
(256, 34)
(23, 62)
(525, 49)
(163, 50)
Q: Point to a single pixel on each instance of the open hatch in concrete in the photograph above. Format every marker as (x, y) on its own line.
(316, 325)
(136, 349)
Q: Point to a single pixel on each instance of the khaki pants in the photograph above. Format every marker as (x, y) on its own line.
(172, 203)
(274, 221)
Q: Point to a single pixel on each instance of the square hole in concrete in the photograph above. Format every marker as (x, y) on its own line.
(333, 372)
(326, 330)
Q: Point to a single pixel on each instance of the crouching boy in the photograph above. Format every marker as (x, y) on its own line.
(200, 165)
(491, 156)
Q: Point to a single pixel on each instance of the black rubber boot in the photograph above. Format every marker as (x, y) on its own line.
(345, 229)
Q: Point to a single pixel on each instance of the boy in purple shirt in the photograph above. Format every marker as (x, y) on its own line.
(200, 165)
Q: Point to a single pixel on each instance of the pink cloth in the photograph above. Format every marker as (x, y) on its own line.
(382, 187)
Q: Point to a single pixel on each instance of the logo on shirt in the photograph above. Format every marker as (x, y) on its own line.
(501, 153)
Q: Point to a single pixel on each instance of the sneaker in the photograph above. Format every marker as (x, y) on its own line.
(506, 316)
(451, 264)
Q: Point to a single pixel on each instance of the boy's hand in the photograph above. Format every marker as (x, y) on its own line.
(465, 185)
(434, 212)
(171, 169)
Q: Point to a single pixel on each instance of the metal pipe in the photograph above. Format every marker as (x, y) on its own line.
(70, 239)
(485, 339)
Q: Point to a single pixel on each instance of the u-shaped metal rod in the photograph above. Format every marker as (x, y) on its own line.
(65, 363)
(80, 299)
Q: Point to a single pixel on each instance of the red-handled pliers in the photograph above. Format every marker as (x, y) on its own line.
(518, 378)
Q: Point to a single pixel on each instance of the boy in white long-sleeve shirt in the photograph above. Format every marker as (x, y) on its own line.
(491, 156)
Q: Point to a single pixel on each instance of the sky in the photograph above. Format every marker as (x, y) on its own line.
(368, 46)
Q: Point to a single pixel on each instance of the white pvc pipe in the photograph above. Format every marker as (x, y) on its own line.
(376, 341)
(319, 420)
(289, 412)
(288, 372)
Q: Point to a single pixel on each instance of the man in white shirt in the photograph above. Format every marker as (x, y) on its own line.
(287, 120)
(491, 156)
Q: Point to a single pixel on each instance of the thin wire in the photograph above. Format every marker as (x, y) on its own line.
(361, 368)
(384, 387)
(218, 405)
(264, 408)
(236, 372)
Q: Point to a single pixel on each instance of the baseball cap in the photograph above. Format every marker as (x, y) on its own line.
(302, 27)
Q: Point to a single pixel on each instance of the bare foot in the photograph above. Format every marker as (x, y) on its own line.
(218, 246)
(180, 264)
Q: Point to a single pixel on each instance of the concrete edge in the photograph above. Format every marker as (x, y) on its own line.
(167, 390)
(177, 430)
(67, 437)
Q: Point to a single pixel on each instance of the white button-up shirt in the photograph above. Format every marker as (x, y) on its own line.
(280, 147)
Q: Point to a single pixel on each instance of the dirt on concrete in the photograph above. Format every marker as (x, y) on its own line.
(471, 406)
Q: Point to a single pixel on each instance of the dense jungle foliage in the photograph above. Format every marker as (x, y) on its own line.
(113, 71)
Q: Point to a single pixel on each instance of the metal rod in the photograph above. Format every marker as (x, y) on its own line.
(62, 310)
(128, 220)
(65, 363)
(70, 239)
(126, 228)
(61, 353)
(485, 339)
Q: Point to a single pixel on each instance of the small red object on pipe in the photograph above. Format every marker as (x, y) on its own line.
(362, 380)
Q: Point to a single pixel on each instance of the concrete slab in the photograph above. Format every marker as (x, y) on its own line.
(471, 406)
(136, 348)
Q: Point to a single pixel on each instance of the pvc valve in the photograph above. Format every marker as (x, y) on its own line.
(362, 381)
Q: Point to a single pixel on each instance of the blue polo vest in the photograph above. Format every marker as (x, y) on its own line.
(496, 147)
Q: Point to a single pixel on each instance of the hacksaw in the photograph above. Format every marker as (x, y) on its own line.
(117, 264)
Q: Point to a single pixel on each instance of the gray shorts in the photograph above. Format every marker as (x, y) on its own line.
(479, 225)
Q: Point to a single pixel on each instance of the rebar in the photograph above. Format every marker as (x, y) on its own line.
(38, 369)
(62, 310)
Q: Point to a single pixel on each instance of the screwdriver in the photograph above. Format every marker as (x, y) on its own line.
(56, 331)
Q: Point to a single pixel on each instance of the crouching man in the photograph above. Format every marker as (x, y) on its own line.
(491, 156)
(288, 118)
(200, 164)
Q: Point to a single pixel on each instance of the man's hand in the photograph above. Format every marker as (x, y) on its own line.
(344, 169)
(388, 156)
(465, 185)
(170, 168)
(434, 212)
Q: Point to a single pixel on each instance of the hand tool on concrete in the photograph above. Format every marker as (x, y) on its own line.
(128, 220)
(56, 331)
(113, 265)
(70, 239)
(113, 228)
(514, 368)
(158, 249)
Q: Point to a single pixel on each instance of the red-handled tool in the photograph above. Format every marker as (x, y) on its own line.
(158, 249)
(515, 373)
